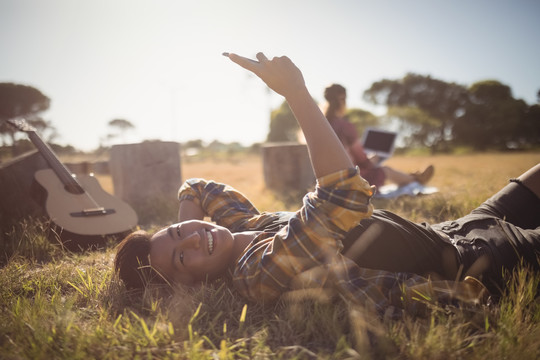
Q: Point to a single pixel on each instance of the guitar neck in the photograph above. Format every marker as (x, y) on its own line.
(70, 183)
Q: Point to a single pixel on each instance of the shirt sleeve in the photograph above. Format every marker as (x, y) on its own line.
(222, 203)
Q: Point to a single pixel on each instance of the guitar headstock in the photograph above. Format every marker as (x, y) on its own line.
(21, 124)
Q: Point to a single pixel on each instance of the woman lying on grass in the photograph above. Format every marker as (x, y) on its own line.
(336, 241)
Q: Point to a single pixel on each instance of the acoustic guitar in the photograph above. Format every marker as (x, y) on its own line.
(84, 212)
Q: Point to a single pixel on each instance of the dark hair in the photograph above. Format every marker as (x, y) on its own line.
(132, 261)
(332, 94)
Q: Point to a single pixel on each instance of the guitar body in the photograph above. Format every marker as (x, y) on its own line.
(73, 212)
(84, 215)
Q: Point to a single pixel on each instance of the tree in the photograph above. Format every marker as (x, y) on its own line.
(530, 128)
(121, 126)
(492, 118)
(419, 128)
(440, 103)
(283, 125)
(21, 101)
(195, 144)
(362, 119)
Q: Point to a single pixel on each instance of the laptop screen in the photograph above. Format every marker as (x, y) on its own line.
(378, 140)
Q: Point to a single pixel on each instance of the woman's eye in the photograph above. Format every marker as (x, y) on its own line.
(182, 257)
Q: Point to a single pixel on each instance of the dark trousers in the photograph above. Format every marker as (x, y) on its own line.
(495, 237)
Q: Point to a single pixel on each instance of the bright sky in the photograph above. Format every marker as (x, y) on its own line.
(158, 63)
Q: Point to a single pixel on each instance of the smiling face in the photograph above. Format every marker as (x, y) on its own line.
(192, 251)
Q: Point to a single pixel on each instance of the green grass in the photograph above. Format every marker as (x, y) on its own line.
(71, 306)
(55, 304)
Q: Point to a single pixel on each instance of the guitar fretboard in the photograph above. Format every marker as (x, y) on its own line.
(70, 183)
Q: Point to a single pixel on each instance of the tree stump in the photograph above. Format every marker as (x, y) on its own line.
(287, 167)
(147, 176)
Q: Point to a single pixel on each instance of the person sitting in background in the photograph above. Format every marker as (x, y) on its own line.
(335, 243)
(375, 174)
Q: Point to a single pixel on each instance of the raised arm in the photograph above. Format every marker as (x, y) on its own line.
(281, 75)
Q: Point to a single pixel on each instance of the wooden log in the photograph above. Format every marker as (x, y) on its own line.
(147, 176)
(19, 195)
(287, 166)
(101, 167)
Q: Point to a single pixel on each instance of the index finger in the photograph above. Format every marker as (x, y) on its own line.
(246, 63)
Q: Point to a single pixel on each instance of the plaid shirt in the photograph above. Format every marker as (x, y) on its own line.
(304, 256)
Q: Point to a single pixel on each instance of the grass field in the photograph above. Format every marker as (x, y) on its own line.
(60, 305)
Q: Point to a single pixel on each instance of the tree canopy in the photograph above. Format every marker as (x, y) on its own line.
(120, 126)
(441, 104)
(22, 101)
(283, 125)
(362, 119)
(443, 115)
(492, 118)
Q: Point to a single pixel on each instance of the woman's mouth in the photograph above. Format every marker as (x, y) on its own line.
(210, 239)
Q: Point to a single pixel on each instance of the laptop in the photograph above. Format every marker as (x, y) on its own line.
(379, 142)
